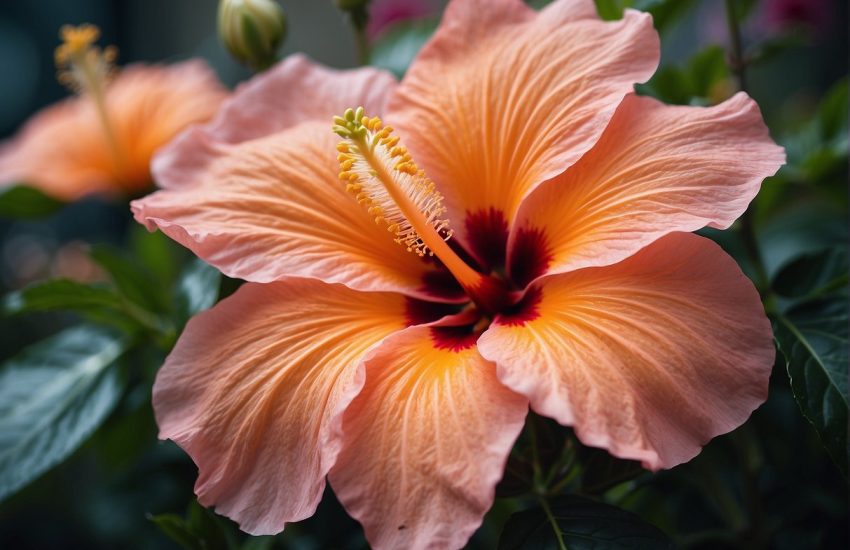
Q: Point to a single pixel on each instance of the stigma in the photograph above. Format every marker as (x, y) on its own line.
(381, 174)
(83, 67)
(86, 70)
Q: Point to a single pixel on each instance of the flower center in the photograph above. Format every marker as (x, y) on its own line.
(86, 69)
(383, 177)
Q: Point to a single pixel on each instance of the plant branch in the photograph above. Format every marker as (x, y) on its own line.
(738, 65)
(555, 528)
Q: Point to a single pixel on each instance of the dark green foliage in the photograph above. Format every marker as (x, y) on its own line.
(815, 343)
(200, 529)
(813, 336)
(701, 81)
(52, 397)
(582, 524)
(196, 290)
(82, 396)
(22, 201)
(131, 278)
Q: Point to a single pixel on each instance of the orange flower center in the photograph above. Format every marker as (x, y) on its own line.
(383, 177)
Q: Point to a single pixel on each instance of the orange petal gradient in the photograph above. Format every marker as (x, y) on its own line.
(425, 443)
(274, 207)
(656, 169)
(254, 391)
(63, 149)
(649, 358)
(503, 98)
(295, 90)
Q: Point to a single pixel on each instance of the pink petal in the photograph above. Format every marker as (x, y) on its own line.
(656, 169)
(255, 388)
(274, 207)
(63, 149)
(503, 98)
(649, 358)
(425, 442)
(296, 90)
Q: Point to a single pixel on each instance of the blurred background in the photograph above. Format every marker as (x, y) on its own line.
(769, 484)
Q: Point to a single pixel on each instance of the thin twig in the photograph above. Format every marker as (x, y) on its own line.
(738, 66)
(555, 527)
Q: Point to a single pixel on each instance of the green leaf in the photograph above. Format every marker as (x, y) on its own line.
(813, 275)
(610, 10)
(21, 201)
(613, 9)
(132, 279)
(706, 69)
(52, 397)
(700, 81)
(601, 471)
(97, 303)
(197, 289)
(833, 113)
(199, 530)
(667, 12)
(175, 528)
(801, 227)
(663, 11)
(817, 150)
(258, 543)
(156, 253)
(60, 294)
(814, 340)
(582, 524)
(396, 48)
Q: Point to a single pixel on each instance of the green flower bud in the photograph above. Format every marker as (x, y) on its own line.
(251, 30)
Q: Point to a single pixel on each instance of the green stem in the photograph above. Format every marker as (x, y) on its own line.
(362, 43)
(535, 456)
(748, 236)
(558, 536)
(749, 456)
(738, 66)
(360, 20)
(736, 56)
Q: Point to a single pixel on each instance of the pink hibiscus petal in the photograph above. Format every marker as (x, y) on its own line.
(274, 207)
(649, 358)
(503, 98)
(655, 170)
(63, 149)
(255, 387)
(296, 90)
(426, 441)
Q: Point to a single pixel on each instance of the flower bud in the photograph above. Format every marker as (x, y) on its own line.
(252, 30)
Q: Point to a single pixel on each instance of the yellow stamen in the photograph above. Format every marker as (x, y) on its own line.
(86, 69)
(384, 178)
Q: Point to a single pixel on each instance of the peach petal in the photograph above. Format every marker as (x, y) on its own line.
(274, 207)
(255, 388)
(425, 443)
(503, 98)
(296, 90)
(63, 150)
(649, 358)
(656, 169)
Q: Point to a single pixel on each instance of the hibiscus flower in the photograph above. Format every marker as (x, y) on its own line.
(103, 139)
(569, 281)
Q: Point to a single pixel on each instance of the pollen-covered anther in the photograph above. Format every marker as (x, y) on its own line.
(382, 175)
(83, 66)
